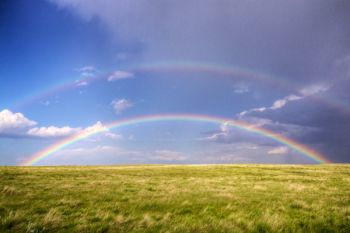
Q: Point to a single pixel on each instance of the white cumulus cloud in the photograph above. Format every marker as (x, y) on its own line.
(98, 126)
(14, 122)
(52, 131)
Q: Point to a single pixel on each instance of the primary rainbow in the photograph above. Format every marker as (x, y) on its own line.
(304, 150)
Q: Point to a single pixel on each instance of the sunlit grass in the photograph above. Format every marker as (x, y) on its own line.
(214, 198)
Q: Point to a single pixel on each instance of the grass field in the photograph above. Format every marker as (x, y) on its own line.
(214, 198)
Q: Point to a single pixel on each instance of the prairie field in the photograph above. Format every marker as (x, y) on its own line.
(175, 198)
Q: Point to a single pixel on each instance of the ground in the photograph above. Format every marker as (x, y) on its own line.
(176, 198)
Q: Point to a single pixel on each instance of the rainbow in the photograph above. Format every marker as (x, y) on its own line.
(223, 70)
(228, 71)
(238, 73)
(302, 149)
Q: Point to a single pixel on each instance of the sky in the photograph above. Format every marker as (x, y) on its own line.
(72, 66)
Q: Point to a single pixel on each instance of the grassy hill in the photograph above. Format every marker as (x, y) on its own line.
(213, 198)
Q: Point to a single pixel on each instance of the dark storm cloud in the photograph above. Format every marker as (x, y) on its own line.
(320, 124)
(293, 39)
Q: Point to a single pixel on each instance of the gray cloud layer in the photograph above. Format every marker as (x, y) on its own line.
(295, 38)
(306, 42)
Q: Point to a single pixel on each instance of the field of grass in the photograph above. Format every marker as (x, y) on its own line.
(214, 198)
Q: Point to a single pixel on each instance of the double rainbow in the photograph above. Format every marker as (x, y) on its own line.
(302, 149)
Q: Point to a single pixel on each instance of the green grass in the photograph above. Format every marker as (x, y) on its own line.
(214, 198)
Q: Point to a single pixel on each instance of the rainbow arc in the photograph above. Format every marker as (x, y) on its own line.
(296, 146)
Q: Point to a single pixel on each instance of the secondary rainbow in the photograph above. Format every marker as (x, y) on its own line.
(302, 149)
(222, 70)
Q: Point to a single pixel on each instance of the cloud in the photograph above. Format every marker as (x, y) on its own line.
(280, 103)
(114, 136)
(87, 69)
(154, 31)
(168, 156)
(94, 151)
(79, 83)
(86, 73)
(104, 132)
(119, 75)
(97, 127)
(223, 158)
(122, 56)
(112, 154)
(314, 89)
(278, 150)
(158, 32)
(66, 131)
(227, 134)
(261, 109)
(99, 154)
(240, 152)
(221, 135)
(52, 131)
(45, 103)
(14, 122)
(17, 125)
(323, 126)
(342, 67)
(120, 105)
(241, 89)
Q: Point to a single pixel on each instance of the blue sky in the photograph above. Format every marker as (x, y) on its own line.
(67, 65)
